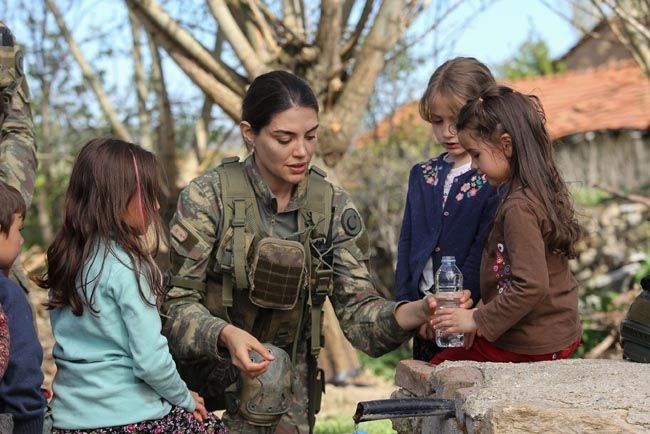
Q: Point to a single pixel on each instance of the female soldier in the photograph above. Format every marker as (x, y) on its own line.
(255, 247)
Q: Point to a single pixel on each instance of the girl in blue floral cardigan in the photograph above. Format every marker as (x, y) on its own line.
(449, 205)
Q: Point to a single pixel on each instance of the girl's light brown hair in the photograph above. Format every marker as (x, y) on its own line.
(501, 109)
(102, 183)
(457, 80)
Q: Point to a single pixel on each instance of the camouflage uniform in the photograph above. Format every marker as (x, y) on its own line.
(367, 319)
(17, 141)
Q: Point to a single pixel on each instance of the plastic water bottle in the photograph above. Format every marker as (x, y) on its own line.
(448, 292)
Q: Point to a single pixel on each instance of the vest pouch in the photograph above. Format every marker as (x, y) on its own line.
(276, 273)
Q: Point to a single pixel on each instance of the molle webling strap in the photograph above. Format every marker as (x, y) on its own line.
(137, 183)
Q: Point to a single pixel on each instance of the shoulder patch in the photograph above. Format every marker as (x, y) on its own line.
(351, 222)
(178, 232)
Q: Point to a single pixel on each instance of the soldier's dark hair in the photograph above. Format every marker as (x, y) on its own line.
(501, 109)
(273, 93)
(456, 81)
(106, 176)
(11, 203)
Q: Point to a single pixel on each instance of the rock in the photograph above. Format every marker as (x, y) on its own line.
(563, 396)
(588, 257)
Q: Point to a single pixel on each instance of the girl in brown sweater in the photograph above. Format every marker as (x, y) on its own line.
(529, 298)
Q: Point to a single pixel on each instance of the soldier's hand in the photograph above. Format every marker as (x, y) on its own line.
(200, 413)
(239, 343)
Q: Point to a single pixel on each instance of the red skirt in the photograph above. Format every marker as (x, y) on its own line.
(484, 351)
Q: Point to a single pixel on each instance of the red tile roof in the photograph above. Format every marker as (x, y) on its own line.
(607, 98)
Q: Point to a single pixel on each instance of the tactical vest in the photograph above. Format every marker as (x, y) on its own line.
(266, 285)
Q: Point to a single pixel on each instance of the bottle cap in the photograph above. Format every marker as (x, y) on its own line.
(448, 259)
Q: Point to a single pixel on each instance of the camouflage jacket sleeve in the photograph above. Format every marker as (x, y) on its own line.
(191, 329)
(17, 140)
(367, 319)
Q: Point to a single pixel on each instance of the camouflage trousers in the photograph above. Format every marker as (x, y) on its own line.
(211, 379)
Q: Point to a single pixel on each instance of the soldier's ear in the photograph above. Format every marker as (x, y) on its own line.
(247, 133)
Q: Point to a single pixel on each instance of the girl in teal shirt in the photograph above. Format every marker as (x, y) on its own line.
(114, 370)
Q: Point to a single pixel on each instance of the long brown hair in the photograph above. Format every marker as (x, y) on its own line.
(501, 109)
(106, 175)
(457, 80)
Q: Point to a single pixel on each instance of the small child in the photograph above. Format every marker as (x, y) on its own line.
(114, 370)
(529, 298)
(449, 205)
(20, 386)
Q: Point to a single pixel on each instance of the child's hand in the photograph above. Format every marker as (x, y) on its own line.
(426, 332)
(454, 320)
(466, 301)
(239, 342)
(200, 413)
(469, 339)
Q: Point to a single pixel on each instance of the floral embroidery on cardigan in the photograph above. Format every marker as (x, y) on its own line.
(471, 187)
(502, 269)
(430, 171)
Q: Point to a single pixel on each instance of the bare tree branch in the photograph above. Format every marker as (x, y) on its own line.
(348, 5)
(293, 17)
(383, 35)
(247, 55)
(229, 102)
(628, 18)
(200, 141)
(265, 28)
(279, 23)
(89, 75)
(348, 48)
(329, 60)
(434, 26)
(584, 30)
(630, 24)
(149, 11)
(146, 140)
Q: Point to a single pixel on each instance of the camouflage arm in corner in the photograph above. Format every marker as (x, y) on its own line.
(17, 140)
(192, 331)
(367, 319)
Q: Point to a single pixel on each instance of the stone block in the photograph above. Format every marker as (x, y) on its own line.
(448, 379)
(415, 376)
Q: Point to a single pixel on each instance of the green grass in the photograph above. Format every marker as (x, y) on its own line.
(332, 425)
(385, 365)
(589, 196)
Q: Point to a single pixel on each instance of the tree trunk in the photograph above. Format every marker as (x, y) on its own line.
(146, 137)
(166, 148)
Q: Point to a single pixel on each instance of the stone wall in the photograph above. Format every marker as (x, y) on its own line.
(564, 396)
(616, 239)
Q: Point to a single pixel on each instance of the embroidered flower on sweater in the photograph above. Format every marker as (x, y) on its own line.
(430, 171)
(502, 269)
(471, 187)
